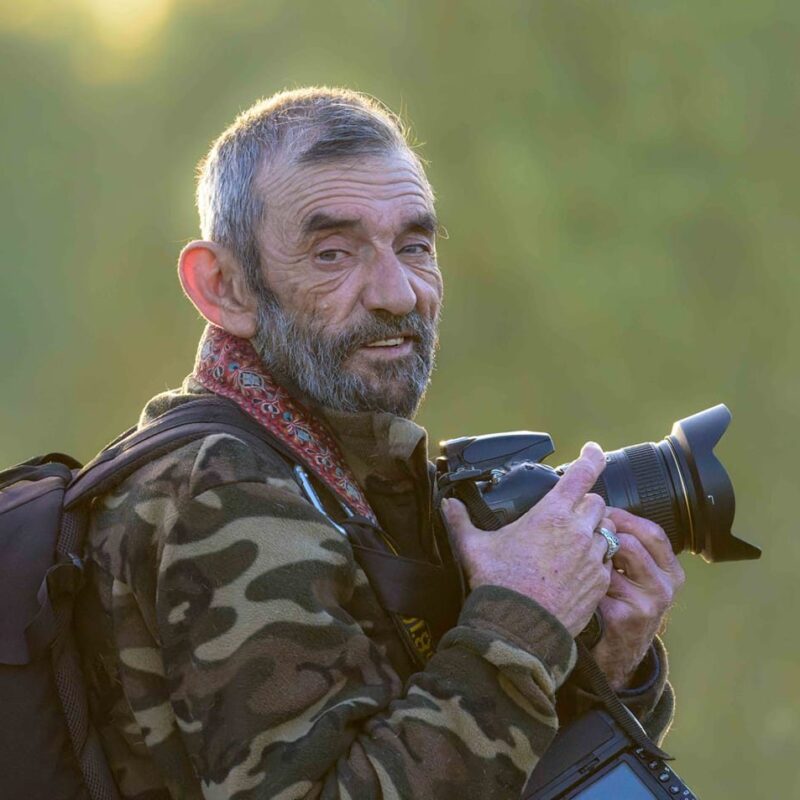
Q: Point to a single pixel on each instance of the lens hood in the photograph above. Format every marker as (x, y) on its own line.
(710, 503)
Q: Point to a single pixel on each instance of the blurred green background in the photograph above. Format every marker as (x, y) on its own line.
(620, 185)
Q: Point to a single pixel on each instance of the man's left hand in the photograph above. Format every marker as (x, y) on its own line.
(644, 582)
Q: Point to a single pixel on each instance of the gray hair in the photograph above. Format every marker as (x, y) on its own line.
(306, 125)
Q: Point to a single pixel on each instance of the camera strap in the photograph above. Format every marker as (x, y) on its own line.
(480, 513)
(589, 670)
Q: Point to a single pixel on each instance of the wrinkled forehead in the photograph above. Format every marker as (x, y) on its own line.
(373, 187)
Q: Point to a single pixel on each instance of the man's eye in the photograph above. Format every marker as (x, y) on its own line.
(331, 256)
(416, 249)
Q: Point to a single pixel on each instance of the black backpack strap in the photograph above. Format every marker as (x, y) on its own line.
(173, 429)
(58, 465)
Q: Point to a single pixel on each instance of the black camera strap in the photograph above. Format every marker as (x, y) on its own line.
(589, 671)
(480, 513)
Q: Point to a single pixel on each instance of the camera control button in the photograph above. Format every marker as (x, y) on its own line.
(665, 776)
(674, 789)
(654, 764)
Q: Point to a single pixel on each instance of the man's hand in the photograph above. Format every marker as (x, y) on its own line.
(551, 553)
(638, 598)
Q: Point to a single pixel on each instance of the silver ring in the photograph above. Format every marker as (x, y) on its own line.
(611, 541)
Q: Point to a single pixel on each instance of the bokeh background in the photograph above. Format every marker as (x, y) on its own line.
(620, 185)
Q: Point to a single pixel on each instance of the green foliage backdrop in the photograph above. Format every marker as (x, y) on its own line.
(620, 185)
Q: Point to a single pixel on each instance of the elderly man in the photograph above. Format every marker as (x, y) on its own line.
(234, 645)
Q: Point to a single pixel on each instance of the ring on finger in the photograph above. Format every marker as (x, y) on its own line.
(612, 543)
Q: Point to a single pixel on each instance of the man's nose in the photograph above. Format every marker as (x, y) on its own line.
(389, 287)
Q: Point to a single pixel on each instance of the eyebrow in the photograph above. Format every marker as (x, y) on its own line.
(425, 221)
(320, 221)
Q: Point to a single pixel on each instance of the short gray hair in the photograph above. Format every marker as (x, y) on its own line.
(307, 125)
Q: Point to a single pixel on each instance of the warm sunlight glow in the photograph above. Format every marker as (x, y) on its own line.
(119, 26)
(109, 40)
(127, 24)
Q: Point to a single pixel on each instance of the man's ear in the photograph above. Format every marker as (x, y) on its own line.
(215, 283)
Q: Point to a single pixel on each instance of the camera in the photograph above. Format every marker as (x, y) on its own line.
(678, 482)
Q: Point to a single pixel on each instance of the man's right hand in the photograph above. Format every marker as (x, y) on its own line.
(551, 553)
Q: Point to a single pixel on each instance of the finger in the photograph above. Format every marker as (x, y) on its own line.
(645, 604)
(456, 516)
(591, 511)
(619, 590)
(599, 550)
(637, 563)
(608, 523)
(581, 474)
(620, 586)
(460, 530)
(651, 536)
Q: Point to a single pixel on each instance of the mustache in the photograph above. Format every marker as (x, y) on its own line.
(380, 325)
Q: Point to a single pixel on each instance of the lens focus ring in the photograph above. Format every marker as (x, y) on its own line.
(654, 488)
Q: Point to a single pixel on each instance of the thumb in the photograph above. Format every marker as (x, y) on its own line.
(463, 535)
(456, 516)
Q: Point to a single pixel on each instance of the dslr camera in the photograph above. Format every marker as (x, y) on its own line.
(678, 483)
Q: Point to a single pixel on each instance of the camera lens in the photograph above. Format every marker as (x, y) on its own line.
(680, 484)
(637, 478)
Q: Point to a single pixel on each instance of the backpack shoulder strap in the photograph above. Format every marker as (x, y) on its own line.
(399, 581)
(171, 430)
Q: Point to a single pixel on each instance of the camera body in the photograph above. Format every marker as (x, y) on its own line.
(593, 759)
(505, 467)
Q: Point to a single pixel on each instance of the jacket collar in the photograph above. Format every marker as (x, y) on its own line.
(377, 444)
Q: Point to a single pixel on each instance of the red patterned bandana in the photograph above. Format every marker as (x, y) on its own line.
(230, 367)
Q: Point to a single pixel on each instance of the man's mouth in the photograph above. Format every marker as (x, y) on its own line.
(398, 340)
(390, 347)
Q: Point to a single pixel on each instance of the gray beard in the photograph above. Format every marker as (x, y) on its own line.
(300, 353)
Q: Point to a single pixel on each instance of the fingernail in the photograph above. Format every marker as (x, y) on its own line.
(444, 506)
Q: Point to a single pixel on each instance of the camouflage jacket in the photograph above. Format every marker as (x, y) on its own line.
(235, 649)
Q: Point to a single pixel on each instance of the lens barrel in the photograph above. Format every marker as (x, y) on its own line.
(681, 485)
(641, 479)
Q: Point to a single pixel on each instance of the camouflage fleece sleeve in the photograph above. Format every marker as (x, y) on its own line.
(271, 684)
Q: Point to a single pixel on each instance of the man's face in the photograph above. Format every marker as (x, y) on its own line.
(348, 253)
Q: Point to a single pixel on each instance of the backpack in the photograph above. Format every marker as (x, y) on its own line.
(49, 749)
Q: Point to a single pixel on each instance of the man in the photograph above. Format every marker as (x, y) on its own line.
(234, 644)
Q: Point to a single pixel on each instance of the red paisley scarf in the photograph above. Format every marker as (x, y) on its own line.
(229, 366)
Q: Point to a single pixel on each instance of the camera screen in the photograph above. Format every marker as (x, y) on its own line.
(620, 782)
